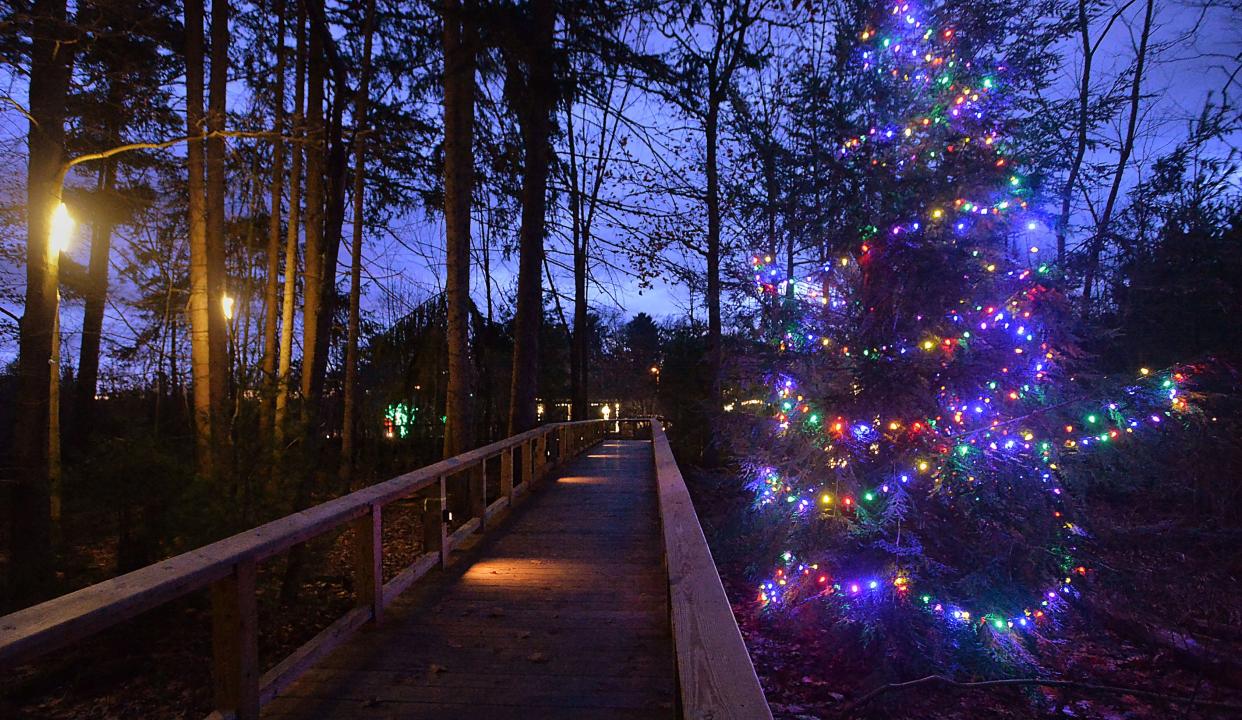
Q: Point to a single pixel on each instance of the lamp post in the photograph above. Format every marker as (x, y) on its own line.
(655, 373)
(60, 232)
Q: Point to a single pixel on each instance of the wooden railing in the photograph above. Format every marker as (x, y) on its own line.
(229, 567)
(715, 677)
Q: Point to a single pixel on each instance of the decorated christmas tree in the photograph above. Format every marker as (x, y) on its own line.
(922, 408)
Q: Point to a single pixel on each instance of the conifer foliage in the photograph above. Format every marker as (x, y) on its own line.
(921, 408)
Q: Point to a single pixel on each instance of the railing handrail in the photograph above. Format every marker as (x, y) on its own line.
(41, 628)
(715, 676)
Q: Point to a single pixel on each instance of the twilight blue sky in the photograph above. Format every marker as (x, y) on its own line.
(1199, 51)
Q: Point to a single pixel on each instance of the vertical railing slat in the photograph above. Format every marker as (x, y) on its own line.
(434, 531)
(506, 473)
(235, 642)
(368, 560)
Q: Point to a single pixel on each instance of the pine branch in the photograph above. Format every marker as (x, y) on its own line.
(1014, 682)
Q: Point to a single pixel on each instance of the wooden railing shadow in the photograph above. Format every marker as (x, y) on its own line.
(229, 567)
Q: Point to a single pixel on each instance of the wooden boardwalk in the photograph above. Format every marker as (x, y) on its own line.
(561, 614)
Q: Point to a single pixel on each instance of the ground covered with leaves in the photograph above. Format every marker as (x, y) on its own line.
(1160, 616)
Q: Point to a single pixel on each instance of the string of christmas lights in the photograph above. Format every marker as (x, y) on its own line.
(1005, 430)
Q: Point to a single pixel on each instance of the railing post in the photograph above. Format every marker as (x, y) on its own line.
(235, 643)
(528, 463)
(434, 531)
(476, 488)
(368, 552)
(506, 473)
(541, 454)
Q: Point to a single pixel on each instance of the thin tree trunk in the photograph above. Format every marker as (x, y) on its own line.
(1080, 149)
(1127, 146)
(53, 426)
(536, 131)
(92, 318)
(334, 214)
(578, 351)
(355, 269)
(712, 170)
(312, 277)
(460, 40)
(200, 297)
(289, 299)
(267, 407)
(486, 248)
(312, 281)
(219, 381)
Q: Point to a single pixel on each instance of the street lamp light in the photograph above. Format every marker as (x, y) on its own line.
(61, 229)
(226, 302)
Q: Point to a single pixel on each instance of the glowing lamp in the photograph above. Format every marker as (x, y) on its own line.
(61, 229)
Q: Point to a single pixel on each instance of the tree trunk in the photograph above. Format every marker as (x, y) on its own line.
(460, 40)
(200, 298)
(312, 278)
(712, 170)
(578, 350)
(289, 298)
(267, 406)
(30, 542)
(92, 318)
(1080, 149)
(219, 381)
(580, 360)
(355, 269)
(320, 272)
(1127, 146)
(315, 359)
(539, 97)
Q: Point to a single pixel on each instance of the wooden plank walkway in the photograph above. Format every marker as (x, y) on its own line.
(561, 613)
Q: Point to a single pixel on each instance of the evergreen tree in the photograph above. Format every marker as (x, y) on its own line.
(922, 403)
